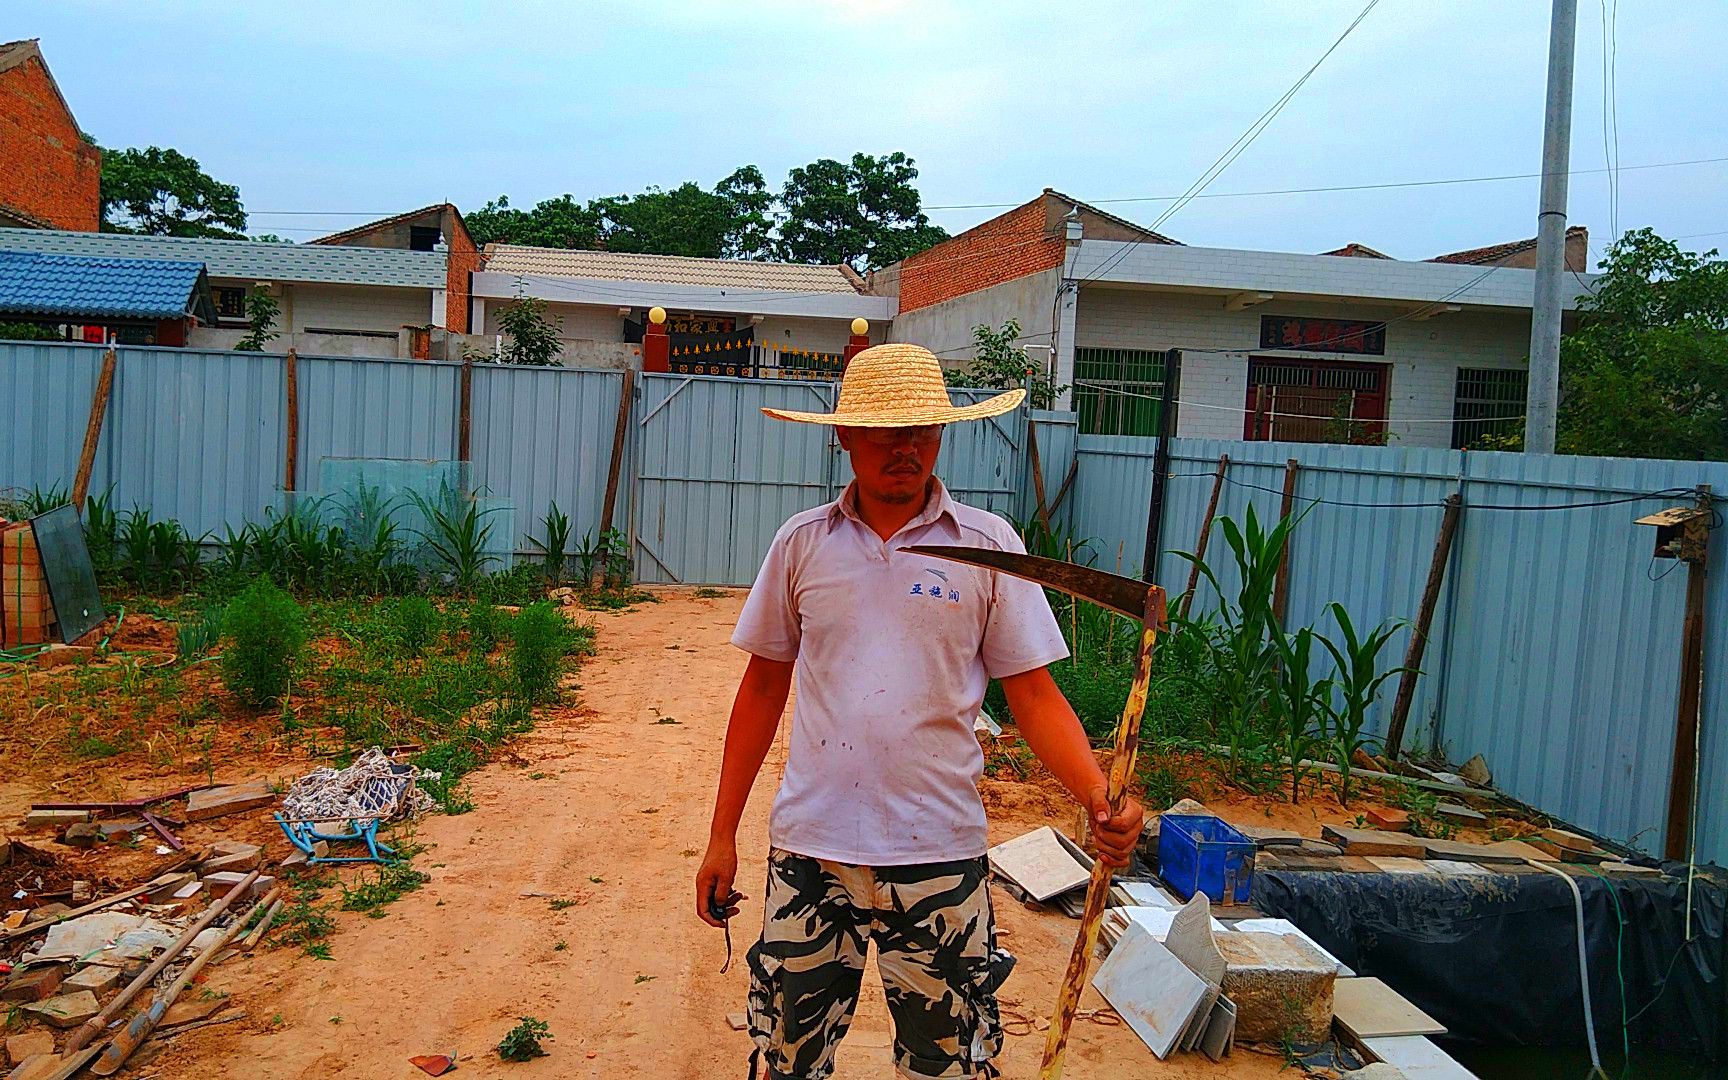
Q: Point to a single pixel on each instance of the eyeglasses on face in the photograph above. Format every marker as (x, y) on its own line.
(923, 435)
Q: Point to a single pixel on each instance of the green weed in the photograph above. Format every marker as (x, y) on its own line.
(556, 524)
(385, 885)
(264, 630)
(522, 1042)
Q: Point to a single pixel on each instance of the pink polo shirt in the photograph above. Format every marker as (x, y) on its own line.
(894, 653)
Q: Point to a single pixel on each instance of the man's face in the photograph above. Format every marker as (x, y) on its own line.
(893, 465)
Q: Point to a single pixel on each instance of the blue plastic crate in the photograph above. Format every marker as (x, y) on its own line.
(1200, 853)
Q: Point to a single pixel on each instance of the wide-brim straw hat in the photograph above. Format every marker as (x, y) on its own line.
(898, 385)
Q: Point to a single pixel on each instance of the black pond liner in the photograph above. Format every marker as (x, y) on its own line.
(1495, 958)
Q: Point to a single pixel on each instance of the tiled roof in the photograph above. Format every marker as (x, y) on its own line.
(1493, 253)
(383, 223)
(670, 269)
(247, 259)
(1122, 221)
(1357, 251)
(67, 285)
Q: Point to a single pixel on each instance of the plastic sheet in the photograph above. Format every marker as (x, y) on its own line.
(1494, 957)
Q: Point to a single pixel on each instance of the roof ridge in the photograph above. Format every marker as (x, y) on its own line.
(498, 245)
(381, 222)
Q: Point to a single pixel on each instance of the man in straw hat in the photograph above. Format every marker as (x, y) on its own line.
(878, 831)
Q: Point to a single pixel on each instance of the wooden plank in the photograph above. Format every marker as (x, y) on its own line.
(1369, 842)
(291, 451)
(1424, 619)
(1281, 587)
(222, 801)
(614, 466)
(93, 431)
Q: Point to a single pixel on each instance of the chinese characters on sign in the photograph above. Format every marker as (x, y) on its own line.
(952, 595)
(1323, 335)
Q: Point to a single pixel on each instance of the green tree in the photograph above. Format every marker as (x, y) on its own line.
(166, 193)
(263, 310)
(1000, 362)
(684, 221)
(556, 223)
(750, 206)
(865, 212)
(1645, 374)
(530, 336)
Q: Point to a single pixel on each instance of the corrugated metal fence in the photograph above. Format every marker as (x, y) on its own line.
(1555, 649)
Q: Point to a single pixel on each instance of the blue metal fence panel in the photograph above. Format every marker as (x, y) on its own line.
(45, 392)
(544, 435)
(377, 408)
(1058, 436)
(1553, 653)
(194, 436)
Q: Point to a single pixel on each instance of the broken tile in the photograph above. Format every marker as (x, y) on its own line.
(1628, 868)
(185, 1011)
(108, 936)
(65, 1011)
(221, 882)
(1459, 812)
(122, 829)
(29, 1044)
(1149, 894)
(34, 984)
(736, 1021)
(1370, 842)
(234, 847)
(1369, 1009)
(1390, 818)
(1417, 1058)
(1393, 865)
(96, 978)
(240, 861)
(1476, 771)
(1039, 864)
(1155, 993)
(1220, 1033)
(1461, 851)
(222, 801)
(1455, 868)
(1281, 986)
(57, 819)
(188, 890)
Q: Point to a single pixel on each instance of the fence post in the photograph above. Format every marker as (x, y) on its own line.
(291, 448)
(1281, 589)
(93, 431)
(1205, 533)
(1161, 465)
(1419, 632)
(1683, 777)
(465, 413)
(620, 426)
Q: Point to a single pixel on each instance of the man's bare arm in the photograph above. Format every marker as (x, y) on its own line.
(1049, 726)
(756, 715)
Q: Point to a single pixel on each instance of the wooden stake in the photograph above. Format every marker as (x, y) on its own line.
(291, 453)
(1281, 590)
(465, 412)
(1098, 889)
(93, 431)
(1683, 777)
(1073, 619)
(1205, 533)
(620, 429)
(1419, 632)
(1043, 508)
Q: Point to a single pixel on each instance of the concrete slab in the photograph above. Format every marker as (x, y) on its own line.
(234, 799)
(29, 1044)
(1392, 865)
(1369, 1009)
(1288, 928)
(1460, 812)
(1281, 985)
(96, 978)
(1454, 868)
(1153, 991)
(65, 1011)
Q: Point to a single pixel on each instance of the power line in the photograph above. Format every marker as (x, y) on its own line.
(1243, 141)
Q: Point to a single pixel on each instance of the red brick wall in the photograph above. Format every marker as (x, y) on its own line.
(46, 168)
(1011, 246)
(464, 259)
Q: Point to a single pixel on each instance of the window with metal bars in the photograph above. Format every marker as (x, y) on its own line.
(1487, 401)
(1317, 401)
(1118, 391)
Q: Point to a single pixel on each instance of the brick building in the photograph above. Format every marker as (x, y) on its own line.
(1349, 345)
(50, 177)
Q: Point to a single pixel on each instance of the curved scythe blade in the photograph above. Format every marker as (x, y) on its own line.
(1113, 591)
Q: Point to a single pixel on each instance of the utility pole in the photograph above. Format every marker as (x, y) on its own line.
(1544, 386)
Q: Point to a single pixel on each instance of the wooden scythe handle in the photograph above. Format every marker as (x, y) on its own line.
(1098, 889)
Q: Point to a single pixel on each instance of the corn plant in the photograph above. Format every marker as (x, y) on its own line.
(198, 634)
(617, 547)
(557, 542)
(1357, 685)
(457, 533)
(101, 530)
(588, 554)
(1299, 704)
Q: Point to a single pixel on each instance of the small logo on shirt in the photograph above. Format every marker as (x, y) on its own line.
(936, 592)
(943, 574)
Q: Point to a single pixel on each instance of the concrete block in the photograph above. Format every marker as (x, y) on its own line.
(240, 861)
(1370, 842)
(67, 1010)
(1282, 987)
(82, 834)
(234, 799)
(222, 881)
(96, 978)
(29, 1044)
(57, 819)
(1390, 818)
(224, 848)
(298, 858)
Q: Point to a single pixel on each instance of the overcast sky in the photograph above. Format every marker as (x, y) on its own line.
(373, 108)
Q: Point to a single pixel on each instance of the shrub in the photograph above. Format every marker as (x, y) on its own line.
(416, 624)
(522, 1043)
(263, 630)
(487, 626)
(541, 640)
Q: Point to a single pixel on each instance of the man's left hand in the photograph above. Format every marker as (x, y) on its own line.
(1114, 833)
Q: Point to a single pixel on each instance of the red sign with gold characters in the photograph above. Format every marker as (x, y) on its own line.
(1323, 335)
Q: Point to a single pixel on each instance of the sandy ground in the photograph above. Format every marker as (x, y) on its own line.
(626, 976)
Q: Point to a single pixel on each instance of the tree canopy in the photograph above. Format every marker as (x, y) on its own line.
(865, 213)
(1645, 374)
(165, 193)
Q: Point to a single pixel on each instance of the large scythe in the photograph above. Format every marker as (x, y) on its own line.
(1137, 600)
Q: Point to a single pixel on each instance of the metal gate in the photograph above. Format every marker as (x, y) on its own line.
(715, 477)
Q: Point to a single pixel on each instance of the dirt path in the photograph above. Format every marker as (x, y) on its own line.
(625, 975)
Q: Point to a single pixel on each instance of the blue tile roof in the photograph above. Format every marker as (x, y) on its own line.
(247, 260)
(67, 285)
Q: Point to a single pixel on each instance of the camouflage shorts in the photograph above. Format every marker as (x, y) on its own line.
(936, 953)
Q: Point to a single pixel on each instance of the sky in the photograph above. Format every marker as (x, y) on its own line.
(328, 114)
